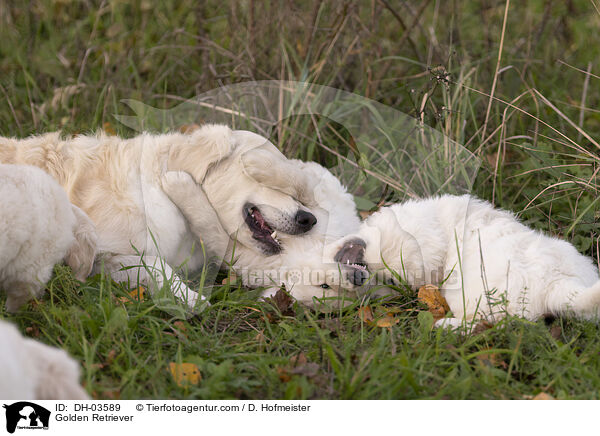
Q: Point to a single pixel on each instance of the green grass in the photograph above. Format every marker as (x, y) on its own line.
(68, 64)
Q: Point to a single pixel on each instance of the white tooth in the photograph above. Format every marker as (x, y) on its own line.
(274, 234)
(347, 261)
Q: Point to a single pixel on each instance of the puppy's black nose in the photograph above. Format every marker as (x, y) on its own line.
(305, 221)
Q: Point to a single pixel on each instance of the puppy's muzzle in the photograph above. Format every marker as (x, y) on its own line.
(352, 258)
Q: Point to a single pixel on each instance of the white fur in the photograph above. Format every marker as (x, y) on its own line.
(38, 229)
(485, 261)
(35, 371)
(120, 184)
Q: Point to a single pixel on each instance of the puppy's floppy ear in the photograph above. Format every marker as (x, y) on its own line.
(275, 171)
(82, 253)
(195, 153)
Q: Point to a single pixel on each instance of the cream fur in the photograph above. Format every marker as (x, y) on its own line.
(485, 261)
(303, 254)
(35, 371)
(38, 229)
(118, 183)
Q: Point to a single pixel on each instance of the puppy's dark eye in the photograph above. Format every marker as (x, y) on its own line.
(325, 286)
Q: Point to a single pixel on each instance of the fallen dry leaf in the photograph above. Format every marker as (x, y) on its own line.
(365, 313)
(188, 128)
(556, 332)
(33, 331)
(185, 373)
(109, 129)
(436, 304)
(134, 295)
(387, 321)
(111, 395)
(283, 302)
(299, 365)
(543, 396)
(283, 374)
(481, 326)
(492, 359)
(364, 214)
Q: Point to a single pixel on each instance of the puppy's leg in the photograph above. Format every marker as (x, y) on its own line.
(19, 293)
(82, 253)
(150, 271)
(571, 299)
(193, 203)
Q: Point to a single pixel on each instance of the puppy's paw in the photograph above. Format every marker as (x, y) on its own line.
(449, 323)
(176, 180)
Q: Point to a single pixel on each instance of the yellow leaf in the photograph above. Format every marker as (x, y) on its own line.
(188, 128)
(185, 373)
(138, 294)
(543, 396)
(365, 314)
(109, 129)
(134, 295)
(436, 303)
(387, 321)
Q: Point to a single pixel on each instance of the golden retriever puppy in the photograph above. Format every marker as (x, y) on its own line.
(35, 371)
(39, 228)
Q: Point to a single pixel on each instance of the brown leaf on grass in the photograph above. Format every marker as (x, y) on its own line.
(492, 359)
(186, 129)
(33, 331)
(309, 369)
(111, 395)
(283, 374)
(364, 214)
(556, 332)
(299, 365)
(283, 302)
(109, 129)
(387, 321)
(185, 373)
(543, 396)
(180, 326)
(365, 314)
(436, 304)
(481, 326)
(298, 359)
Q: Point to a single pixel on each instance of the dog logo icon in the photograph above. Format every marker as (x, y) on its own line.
(26, 415)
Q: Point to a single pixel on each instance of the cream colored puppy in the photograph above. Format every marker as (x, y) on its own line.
(39, 228)
(35, 371)
(486, 263)
(253, 195)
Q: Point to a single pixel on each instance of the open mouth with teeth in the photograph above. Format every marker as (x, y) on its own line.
(261, 230)
(352, 257)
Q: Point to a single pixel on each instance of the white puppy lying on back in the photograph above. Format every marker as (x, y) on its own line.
(34, 371)
(485, 261)
(39, 227)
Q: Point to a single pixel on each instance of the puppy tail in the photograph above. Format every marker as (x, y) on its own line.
(82, 253)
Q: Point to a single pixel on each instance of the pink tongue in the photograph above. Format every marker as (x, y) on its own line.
(260, 220)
